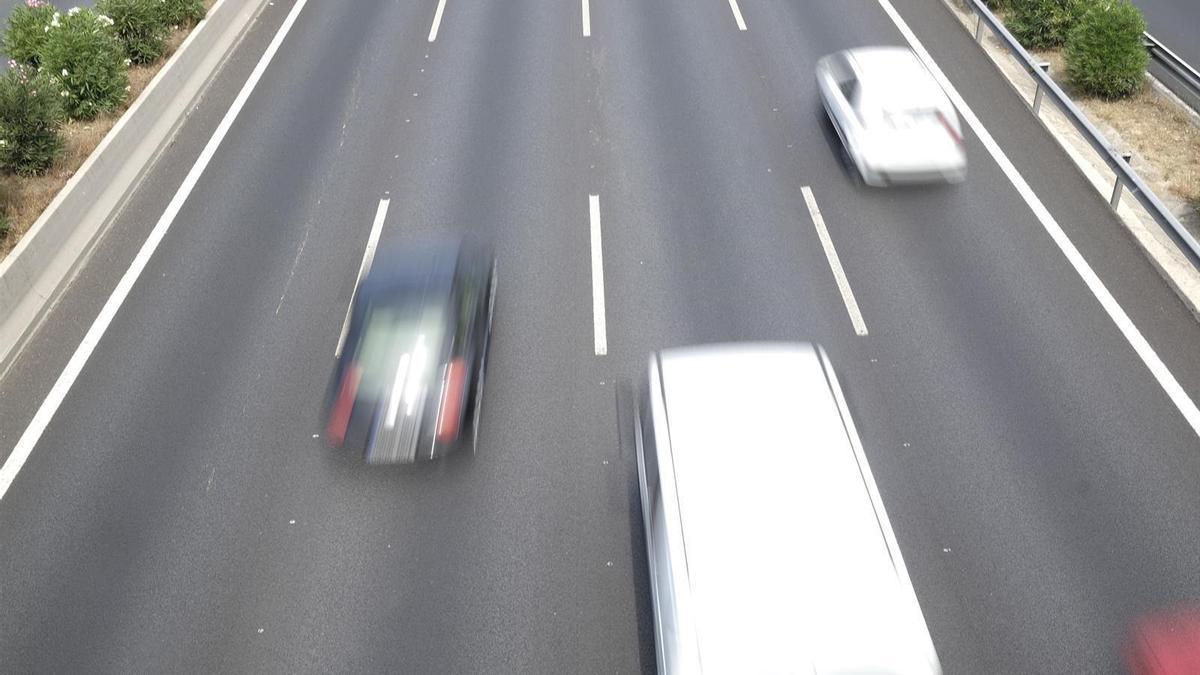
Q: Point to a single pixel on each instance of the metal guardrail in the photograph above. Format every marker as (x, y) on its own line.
(1183, 73)
(1126, 178)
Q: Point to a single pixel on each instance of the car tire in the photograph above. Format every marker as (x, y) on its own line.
(483, 358)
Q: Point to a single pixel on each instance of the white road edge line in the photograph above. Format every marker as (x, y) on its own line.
(737, 14)
(66, 379)
(587, 19)
(835, 263)
(363, 268)
(437, 20)
(1157, 368)
(597, 277)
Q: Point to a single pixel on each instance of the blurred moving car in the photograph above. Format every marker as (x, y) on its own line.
(1165, 643)
(768, 543)
(896, 123)
(408, 384)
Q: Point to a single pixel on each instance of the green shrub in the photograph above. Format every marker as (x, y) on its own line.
(84, 52)
(31, 118)
(139, 26)
(998, 4)
(27, 31)
(1105, 56)
(181, 12)
(1041, 24)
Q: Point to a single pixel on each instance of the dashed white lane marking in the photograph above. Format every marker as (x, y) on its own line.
(437, 21)
(363, 268)
(587, 19)
(737, 14)
(835, 263)
(41, 419)
(1157, 368)
(597, 277)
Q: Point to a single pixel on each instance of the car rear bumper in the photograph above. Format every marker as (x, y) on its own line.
(883, 177)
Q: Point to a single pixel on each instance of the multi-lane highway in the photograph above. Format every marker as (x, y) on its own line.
(1022, 387)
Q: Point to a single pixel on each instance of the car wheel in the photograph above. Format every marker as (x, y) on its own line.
(487, 343)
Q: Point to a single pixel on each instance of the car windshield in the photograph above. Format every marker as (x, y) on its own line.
(394, 335)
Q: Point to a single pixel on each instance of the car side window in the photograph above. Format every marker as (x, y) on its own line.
(849, 89)
(465, 290)
(649, 450)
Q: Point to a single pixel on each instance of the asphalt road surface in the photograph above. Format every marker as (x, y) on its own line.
(180, 513)
(1176, 23)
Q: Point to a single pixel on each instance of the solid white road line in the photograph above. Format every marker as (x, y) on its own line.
(597, 277)
(587, 19)
(843, 284)
(363, 268)
(83, 352)
(1143, 349)
(437, 20)
(737, 14)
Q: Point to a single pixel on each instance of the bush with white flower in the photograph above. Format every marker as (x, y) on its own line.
(28, 28)
(139, 25)
(31, 119)
(84, 52)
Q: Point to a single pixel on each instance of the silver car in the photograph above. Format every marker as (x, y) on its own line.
(896, 123)
(768, 543)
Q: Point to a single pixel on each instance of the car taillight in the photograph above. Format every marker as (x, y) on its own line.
(343, 405)
(452, 401)
(950, 128)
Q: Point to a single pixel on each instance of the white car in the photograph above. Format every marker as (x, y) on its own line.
(896, 123)
(768, 544)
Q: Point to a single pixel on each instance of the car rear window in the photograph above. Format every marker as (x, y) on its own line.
(389, 331)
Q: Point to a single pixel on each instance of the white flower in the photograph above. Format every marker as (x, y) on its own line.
(64, 93)
(128, 87)
(45, 29)
(3, 143)
(127, 62)
(65, 73)
(73, 11)
(104, 20)
(54, 21)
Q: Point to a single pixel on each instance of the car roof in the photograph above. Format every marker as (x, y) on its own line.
(787, 564)
(894, 77)
(418, 264)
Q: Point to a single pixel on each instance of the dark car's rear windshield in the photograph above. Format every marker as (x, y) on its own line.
(395, 334)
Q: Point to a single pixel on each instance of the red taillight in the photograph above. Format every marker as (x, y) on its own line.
(950, 128)
(452, 401)
(343, 405)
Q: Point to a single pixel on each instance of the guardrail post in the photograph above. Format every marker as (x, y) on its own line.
(1037, 96)
(1116, 193)
(978, 27)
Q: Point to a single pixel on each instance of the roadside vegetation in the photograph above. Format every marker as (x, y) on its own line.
(1096, 54)
(71, 75)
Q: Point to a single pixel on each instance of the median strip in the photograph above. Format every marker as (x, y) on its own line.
(34, 175)
(45, 413)
(36, 271)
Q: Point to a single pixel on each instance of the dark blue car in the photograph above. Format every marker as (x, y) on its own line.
(409, 382)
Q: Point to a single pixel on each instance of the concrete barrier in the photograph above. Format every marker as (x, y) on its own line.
(38, 269)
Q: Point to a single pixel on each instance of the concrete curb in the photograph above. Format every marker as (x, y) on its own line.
(1172, 265)
(41, 266)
